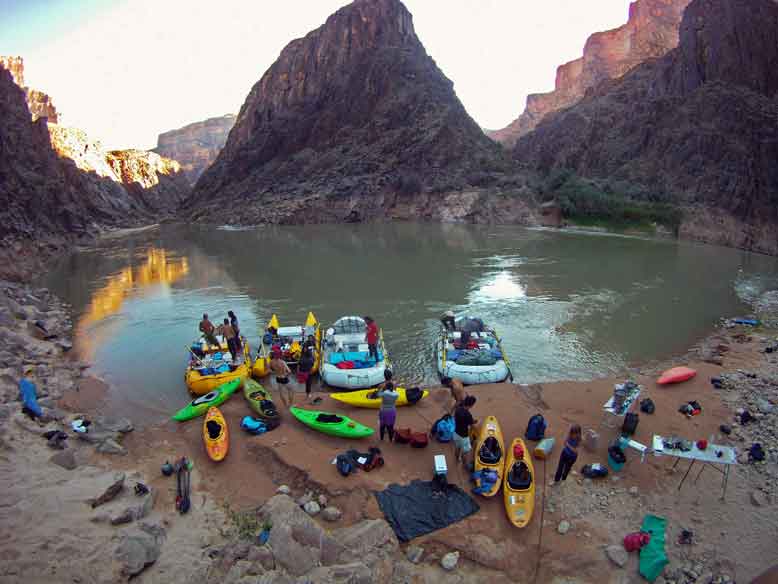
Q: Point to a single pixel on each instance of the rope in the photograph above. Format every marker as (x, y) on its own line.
(540, 534)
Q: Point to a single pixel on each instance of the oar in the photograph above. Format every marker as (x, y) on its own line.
(196, 357)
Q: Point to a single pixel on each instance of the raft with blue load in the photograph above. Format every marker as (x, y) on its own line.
(472, 353)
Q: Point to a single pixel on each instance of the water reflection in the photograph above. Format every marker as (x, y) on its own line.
(499, 286)
(158, 269)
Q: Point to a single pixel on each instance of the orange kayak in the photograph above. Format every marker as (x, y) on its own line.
(676, 375)
(215, 434)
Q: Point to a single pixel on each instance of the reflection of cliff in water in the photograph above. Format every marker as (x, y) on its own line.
(158, 269)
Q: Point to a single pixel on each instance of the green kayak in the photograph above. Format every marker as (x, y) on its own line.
(333, 424)
(199, 406)
(260, 400)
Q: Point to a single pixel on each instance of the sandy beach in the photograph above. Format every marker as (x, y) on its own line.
(43, 506)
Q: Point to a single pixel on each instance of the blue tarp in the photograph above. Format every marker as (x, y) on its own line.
(29, 396)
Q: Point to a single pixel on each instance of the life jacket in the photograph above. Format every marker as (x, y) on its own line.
(536, 428)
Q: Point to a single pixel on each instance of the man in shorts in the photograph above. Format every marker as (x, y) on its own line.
(457, 391)
(463, 421)
(281, 370)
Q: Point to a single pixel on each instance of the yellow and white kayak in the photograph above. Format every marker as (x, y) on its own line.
(519, 485)
(289, 339)
(490, 452)
(362, 399)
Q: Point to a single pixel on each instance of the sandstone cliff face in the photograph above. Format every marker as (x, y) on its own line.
(650, 32)
(353, 110)
(155, 182)
(197, 145)
(698, 126)
(39, 104)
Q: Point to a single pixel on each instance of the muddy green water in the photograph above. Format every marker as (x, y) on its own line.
(567, 305)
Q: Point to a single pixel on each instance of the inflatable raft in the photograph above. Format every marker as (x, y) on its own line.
(209, 367)
(471, 353)
(289, 340)
(345, 359)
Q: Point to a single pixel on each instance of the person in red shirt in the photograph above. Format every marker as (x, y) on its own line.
(371, 337)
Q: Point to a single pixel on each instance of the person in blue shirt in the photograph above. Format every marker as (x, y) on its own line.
(569, 454)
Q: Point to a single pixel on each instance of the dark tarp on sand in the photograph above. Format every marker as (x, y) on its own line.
(421, 507)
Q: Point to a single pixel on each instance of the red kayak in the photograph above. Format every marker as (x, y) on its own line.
(676, 375)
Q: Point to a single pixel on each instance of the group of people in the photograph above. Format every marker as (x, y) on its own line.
(229, 329)
(464, 422)
(280, 369)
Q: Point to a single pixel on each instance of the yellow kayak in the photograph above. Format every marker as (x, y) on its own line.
(362, 399)
(215, 435)
(261, 366)
(490, 452)
(519, 485)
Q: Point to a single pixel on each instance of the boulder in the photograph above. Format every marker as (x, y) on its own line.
(135, 512)
(66, 459)
(634, 491)
(263, 556)
(563, 527)
(617, 554)
(110, 493)
(289, 554)
(371, 536)
(110, 424)
(283, 490)
(322, 500)
(138, 549)
(353, 573)
(449, 561)
(331, 513)
(759, 499)
(111, 446)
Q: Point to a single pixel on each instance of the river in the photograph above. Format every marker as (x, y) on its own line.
(567, 305)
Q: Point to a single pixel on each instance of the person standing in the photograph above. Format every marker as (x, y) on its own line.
(387, 414)
(463, 421)
(448, 321)
(304, 369)
(457, 391)
(281, 370)
(207, 329)
(229, 333)
(569, 454)
(236, 328)
(371, 337)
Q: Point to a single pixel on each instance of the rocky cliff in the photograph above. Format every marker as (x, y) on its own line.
(155, 182)
(651, 31)
(698, 127)
(39, 104)
(48, 199)
(197, 145)
(354, 113)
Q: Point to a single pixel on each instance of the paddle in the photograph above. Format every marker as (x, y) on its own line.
(196, 357)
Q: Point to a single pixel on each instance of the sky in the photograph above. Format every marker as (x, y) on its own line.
(126, 70)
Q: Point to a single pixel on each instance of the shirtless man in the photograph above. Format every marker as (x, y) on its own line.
(207, 328)
(281, 370)
(457, 391)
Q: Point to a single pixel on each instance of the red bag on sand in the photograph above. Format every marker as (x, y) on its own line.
(403, 436)
(419, 440)
(634, 541)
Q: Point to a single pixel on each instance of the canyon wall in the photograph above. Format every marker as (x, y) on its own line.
(39, 104)
(196, 146)
(650, 32)
(697, 128)
(354, 110)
